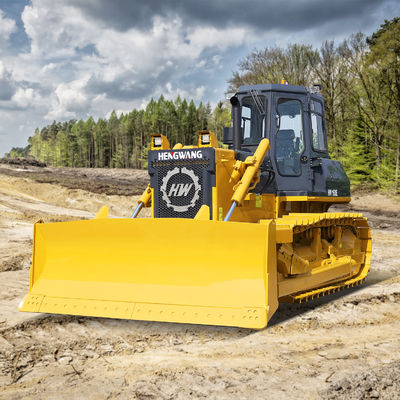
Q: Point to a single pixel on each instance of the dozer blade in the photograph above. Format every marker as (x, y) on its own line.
(177, 270)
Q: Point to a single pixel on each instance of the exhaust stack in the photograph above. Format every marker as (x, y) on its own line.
(237, 125)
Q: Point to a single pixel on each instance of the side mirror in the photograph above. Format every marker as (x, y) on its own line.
(227, 135)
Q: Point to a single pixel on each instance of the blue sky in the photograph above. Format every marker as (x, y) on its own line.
(64, 59)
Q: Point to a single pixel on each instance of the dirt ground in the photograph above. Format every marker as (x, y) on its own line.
(343, 346)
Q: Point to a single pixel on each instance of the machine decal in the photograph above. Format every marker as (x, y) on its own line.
(180, 155)
(332, 192)
(178, 183)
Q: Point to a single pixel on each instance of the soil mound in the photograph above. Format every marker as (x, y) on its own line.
(23, 162)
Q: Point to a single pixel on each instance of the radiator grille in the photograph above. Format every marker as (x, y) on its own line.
(180, 187)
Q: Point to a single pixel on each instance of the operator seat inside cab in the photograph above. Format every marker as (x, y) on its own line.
(287, 152)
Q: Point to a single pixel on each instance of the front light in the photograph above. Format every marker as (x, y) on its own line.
(205, 139)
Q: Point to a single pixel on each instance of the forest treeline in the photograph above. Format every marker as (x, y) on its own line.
(360, 79)
(122, 141)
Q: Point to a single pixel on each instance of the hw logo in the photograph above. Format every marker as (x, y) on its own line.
(180, 189)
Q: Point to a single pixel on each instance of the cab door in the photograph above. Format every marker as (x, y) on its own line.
(290, 144)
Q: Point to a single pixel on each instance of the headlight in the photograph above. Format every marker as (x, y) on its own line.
(205, 139)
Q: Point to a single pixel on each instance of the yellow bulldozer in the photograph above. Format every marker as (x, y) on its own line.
(234, 230)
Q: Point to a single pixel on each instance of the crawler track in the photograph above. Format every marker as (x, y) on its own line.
(321, 243)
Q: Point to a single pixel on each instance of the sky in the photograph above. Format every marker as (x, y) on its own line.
(71, 59)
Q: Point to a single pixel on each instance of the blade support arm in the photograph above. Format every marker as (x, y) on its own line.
(144, 201)
(252, 165)
(249, 170)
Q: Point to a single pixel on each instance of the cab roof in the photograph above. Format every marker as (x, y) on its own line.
(274, 87)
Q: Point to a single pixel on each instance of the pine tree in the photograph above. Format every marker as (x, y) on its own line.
(357, 158)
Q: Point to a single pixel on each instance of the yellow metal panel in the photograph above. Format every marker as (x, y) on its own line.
(164, 142)
(31, 303)
(271, 273)
(94, 308)
(216, 210)
(102, 213)
(106, 267)
(244, 317)
(328, 199)
(203, 213)
(284, 234)
(316, 277)
(152, 202)
(213, 139)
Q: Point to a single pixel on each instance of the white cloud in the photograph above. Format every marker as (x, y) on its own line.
(205, 37)
(121, 69)
(55, 28)
(82, 61)
(192, 92)
(23, 98)
(68, 100)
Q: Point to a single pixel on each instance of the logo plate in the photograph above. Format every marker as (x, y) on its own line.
(180, 189)
(180, 155)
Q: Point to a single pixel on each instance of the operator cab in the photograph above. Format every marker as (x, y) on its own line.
(293, 119)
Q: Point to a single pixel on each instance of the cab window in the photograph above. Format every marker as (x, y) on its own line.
(317, 126)
(289, 143)
(253, 121)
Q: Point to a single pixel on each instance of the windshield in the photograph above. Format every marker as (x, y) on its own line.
(253, 122)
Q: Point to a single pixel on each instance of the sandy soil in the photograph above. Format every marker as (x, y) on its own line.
(345, 345)
(103, 181)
